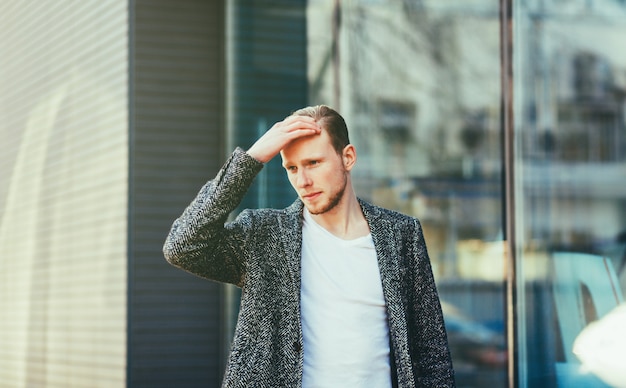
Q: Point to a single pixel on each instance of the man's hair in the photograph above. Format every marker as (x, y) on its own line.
(330, 120)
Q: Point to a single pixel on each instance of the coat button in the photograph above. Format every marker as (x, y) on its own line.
(297, 346)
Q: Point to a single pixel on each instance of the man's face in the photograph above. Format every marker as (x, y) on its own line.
(316, 172)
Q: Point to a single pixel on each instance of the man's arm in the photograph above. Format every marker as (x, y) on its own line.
(199, 241)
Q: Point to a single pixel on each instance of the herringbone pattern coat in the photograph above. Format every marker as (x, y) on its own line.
(260, 252)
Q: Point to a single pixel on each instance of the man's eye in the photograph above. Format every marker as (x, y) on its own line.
(313, 162)
(291, 168)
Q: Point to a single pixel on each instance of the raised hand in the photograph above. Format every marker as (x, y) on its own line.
(281, 133)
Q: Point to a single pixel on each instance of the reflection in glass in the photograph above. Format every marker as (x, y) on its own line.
(418, 83)
(570, 96)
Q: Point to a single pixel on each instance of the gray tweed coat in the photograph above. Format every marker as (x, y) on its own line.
(260, 252)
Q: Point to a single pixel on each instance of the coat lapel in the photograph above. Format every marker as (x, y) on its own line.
(387, 241)
(290, 224)
(388, 244)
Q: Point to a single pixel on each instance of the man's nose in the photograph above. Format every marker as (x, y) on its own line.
(303, 179)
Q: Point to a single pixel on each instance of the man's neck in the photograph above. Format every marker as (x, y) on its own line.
(346, 220)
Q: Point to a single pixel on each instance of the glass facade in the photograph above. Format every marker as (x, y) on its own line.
(420, 86)
(570, 158)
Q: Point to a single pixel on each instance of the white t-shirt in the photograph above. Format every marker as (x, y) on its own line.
(344, 318)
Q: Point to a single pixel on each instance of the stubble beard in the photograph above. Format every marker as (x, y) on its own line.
(332, 201)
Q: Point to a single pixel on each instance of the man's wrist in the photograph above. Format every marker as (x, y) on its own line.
(249, 159)
(256, 155)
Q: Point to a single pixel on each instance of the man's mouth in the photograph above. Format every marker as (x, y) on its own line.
(311, 196)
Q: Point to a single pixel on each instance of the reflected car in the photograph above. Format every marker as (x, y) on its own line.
(479, 352)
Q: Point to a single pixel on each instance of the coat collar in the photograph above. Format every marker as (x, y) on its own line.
(386, 238)
(385, 234)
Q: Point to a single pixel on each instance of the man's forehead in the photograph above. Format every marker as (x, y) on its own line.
(306, 148)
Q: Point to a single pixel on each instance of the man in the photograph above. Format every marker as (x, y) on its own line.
(336, 292)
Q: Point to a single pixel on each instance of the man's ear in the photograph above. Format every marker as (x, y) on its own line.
(348, 157)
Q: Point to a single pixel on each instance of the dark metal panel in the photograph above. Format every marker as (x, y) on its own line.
(177, 145)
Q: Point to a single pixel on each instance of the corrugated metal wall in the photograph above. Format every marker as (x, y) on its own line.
(63, 193)
(174, 317)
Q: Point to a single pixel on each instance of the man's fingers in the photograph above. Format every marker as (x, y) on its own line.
(294, 123)
(300, 126)
(295, 127)
(280, 134)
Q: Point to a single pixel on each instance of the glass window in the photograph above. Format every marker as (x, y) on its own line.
(570, 94)
(419, 86)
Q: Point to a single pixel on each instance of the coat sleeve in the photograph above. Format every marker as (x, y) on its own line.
(431, 355)
(200, 241)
